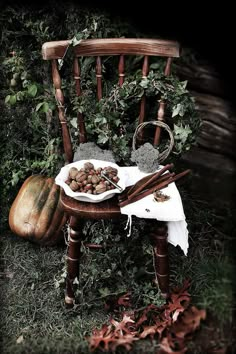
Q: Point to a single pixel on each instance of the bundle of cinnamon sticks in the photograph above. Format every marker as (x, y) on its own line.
(149, 184)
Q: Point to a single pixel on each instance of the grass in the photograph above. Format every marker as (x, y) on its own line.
(33, 317)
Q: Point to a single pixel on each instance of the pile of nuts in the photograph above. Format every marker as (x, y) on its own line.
(89, 180)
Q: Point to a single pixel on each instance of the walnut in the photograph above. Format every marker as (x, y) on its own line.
(88, 166)
(95, 179)
(81, 176)
(74, 186)
(73, 172)
(100, 188)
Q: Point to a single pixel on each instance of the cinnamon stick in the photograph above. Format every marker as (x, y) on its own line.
(151, 184)
(145, 193)
(147, 180)
(158, 186)
(125, 194)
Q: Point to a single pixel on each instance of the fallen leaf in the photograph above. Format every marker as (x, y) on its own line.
(124, 341)
(114, 303)
(100, 339)
(148, 330)
(123, 326)
(20, 339)
(166, 346)
(189, 322)
(124, 300)
(149, 312)
(192, 317)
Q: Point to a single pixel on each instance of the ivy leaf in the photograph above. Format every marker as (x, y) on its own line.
(73, 122)
(181, 133)
(144, 83)
(184, 84)
(32, 90)
(176, 109)
(75, 41)
(117, 122)
(42, 107)
(102, 139)
(7, 99)
(23, 75)
(12, 99)
(100, 119)
(154, 66)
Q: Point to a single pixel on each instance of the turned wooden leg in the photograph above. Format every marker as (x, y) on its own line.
(73, 259)
(159, 242)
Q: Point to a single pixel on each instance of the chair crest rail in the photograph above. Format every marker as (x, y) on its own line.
(113, 46)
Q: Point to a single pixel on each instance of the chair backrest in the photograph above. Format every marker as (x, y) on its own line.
(105, 47)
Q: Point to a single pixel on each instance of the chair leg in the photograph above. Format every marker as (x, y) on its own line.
(158, 238)
(73, 259)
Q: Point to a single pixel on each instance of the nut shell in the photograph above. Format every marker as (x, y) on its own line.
(73, 172)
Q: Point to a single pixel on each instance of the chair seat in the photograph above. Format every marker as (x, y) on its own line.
(104, 210)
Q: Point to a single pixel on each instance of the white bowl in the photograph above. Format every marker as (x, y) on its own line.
(85, 197)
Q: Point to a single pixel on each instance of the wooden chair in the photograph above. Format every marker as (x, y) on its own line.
(109, 209)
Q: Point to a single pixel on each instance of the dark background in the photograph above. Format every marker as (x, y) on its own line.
(207, 28)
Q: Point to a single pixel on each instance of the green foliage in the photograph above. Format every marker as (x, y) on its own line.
(30, 139)
(30, 132)
(110, 122)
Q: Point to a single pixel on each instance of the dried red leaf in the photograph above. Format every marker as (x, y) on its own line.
(151, 331)
(178, 302)
(125, 326)
(101, 339)
(149, 313)
(188, 322)
(172, 322)
(124, 341)
(124, 300)
(181, 289)
(168, 346)
(113, 303)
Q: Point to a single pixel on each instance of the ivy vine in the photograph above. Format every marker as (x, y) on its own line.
(111, 121)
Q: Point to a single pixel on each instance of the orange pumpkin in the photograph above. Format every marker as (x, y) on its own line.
(36, 214)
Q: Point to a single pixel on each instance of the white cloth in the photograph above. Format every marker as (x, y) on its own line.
(170, 210)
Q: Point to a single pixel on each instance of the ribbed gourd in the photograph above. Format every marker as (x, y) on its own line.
(36, 214)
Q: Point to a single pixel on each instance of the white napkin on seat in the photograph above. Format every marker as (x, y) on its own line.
(170, 210)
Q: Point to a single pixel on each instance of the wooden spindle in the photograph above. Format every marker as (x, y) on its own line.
(160, 116)
(168, 67)
(145, 70)
(99, 77)
(73, 259)
(161, 110)
(121, 69)
(61, 112)
(143, 100)
(159, 241)
(80, 119)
